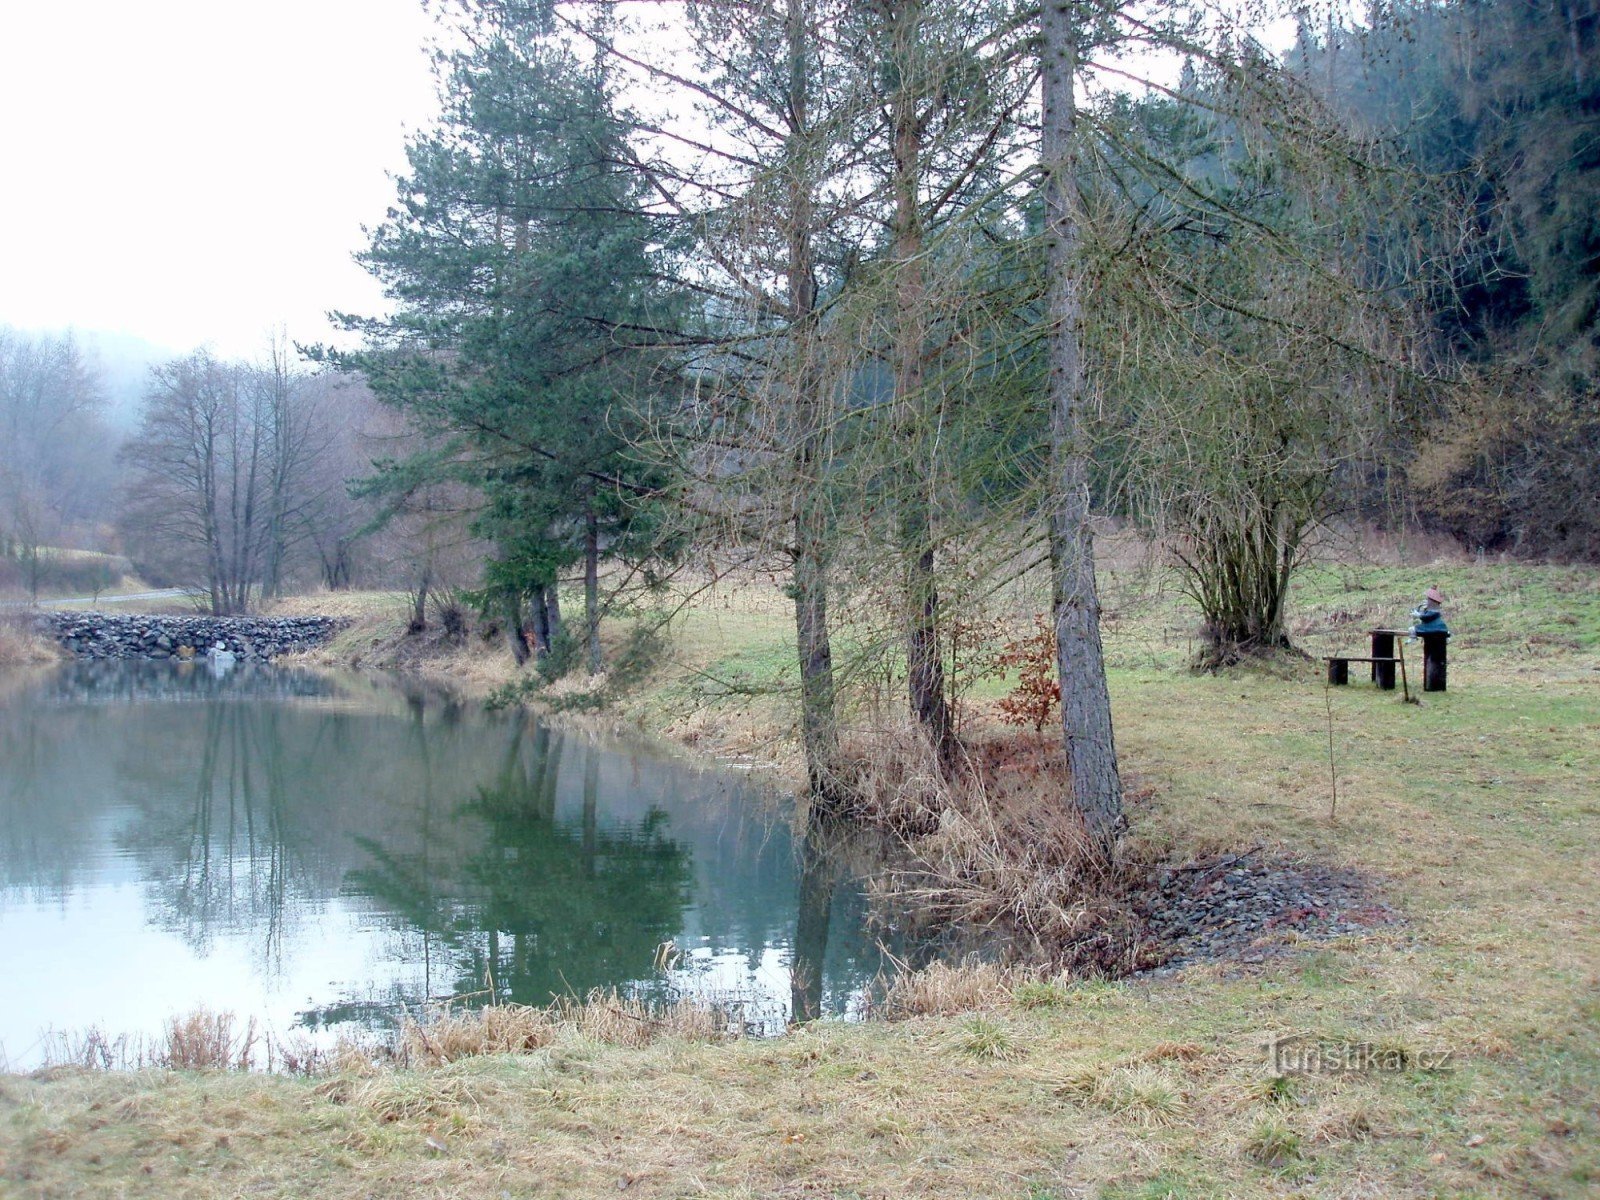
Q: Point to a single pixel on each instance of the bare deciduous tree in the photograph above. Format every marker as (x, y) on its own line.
(755, 163)
(223, 484)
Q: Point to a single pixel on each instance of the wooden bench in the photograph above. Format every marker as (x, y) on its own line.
(1386, 652)
(1382, 669)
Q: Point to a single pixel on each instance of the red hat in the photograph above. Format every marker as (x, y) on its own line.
(1434, 596)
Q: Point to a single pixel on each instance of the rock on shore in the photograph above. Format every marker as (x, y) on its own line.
(1241, 906)
(160, 636)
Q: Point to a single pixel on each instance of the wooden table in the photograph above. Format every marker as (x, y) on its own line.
(1384, 657)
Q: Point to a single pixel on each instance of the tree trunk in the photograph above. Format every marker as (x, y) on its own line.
(336, 568)
(419, 601)
(540, 604)
(1085, 700)
(1237, 567)
(591, 590)
(924, 665)
(35, 564)
(243, 495)
(515, 637)
(819, 731)
(552, 624)
(216, 579)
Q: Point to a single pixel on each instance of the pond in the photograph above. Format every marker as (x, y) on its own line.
(325, 854)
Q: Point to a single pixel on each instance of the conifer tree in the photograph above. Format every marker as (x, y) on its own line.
(521, 266)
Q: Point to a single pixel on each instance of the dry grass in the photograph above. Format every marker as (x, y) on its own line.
(202, 1040)
(1147, 1095)
(94, 1049)
(207, 1041)
(941, 990)
(375, 638)
(991, 848)
(23, 646)
(348, 605)
(449, 1034)
(199, 1040)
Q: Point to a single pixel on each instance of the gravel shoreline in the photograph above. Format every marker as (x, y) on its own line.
(1243, 908)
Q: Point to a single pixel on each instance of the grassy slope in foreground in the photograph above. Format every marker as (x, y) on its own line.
(1479, 808)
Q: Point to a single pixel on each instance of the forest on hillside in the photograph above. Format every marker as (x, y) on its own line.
(883, 299)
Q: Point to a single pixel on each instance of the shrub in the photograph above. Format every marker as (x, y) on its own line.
(1037, 695)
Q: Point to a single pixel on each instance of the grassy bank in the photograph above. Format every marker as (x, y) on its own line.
(1476, 810)
(23, 646)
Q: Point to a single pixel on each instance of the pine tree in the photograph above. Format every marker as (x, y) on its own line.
(521, 266)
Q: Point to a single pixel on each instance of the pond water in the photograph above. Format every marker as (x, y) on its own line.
(323, 854)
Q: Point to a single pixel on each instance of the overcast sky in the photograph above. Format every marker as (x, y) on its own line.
(198, 171)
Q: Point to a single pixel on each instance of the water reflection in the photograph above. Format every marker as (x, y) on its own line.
(316, 852)
(85, 681)
(546, 902)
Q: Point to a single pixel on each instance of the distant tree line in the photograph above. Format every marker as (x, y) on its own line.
(1500, 101)
(55, 489)
(239, 485)
(237, 482)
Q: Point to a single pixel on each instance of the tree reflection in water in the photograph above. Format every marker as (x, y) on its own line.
(332, 852)
(542, 906)
(833, 960)
(232, 850)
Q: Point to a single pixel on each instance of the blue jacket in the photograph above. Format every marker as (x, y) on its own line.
(1428, 620)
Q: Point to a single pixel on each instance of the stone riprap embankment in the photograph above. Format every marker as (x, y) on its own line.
(249, 639)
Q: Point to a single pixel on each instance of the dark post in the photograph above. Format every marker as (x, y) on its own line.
(1338, 671)
(1383, 658)
(1434, 661)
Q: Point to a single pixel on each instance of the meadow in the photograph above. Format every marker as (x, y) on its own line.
(1474, 813)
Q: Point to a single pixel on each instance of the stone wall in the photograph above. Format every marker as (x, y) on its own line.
(250, 639)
